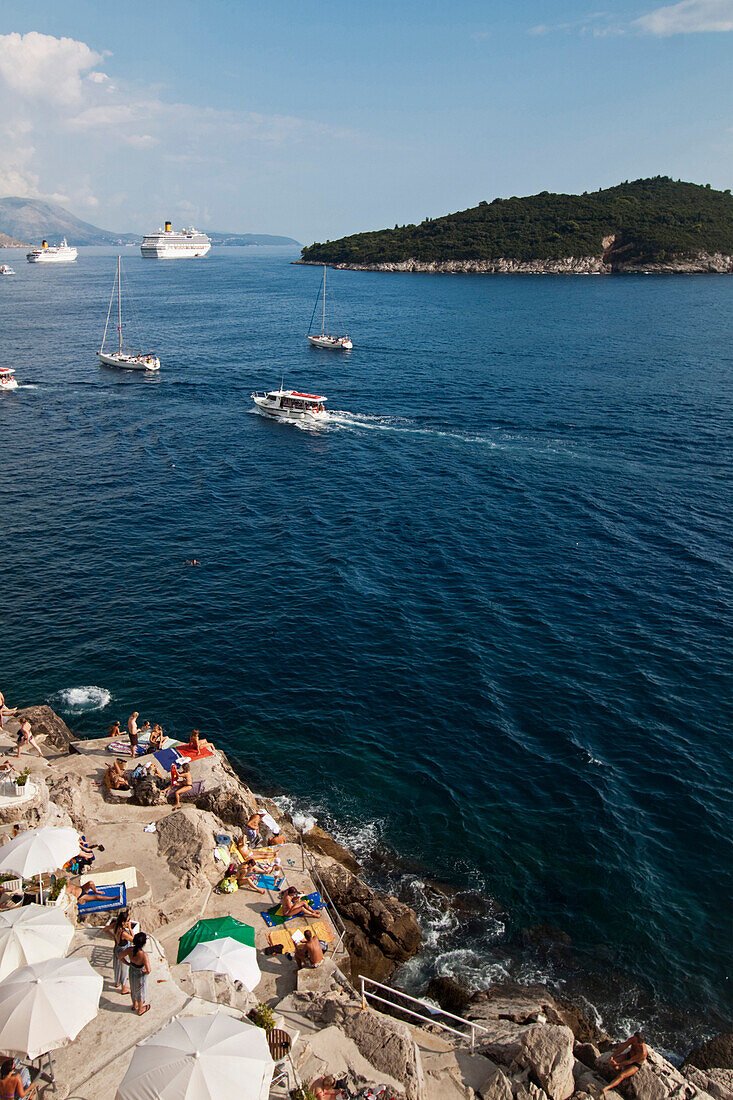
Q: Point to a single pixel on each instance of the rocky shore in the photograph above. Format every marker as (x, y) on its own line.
(528, 1044)
(702, 263)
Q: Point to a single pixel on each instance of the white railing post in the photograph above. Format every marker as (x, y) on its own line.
(363, 994)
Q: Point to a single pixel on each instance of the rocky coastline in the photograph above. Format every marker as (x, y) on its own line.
(703, 263)
(530, 1044)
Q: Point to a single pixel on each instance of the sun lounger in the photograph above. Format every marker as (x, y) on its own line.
(123, 876)
(319, 928)
(116, 899)
(274, 916)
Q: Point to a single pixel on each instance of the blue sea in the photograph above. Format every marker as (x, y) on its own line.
(479, 622)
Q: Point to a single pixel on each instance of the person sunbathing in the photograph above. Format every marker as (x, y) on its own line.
(114, 777)
(324, 1088)
(196, 742)
(309, 954)
(11, 1085)
(294, 906)
(626, 1060)
(87, 892)
(156, 738)
(181, 785)
(252, 829)
(247, 877)
(114, 730)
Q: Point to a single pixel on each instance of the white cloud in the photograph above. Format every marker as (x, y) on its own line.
(688, 17)
(41, 67)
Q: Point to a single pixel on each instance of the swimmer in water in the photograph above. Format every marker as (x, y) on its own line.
(193, 561)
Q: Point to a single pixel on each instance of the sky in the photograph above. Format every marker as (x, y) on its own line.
(315, 120)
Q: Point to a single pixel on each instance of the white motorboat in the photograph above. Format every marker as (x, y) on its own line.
(132, 358)
(6, 269)
(290, 405)
(52, 254)
(322, 339)
(8, 381)
(169, 244)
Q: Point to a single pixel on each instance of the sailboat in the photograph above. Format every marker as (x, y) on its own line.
(323, 340)
(132, 359)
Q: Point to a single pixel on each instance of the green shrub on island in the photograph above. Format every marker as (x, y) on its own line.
(652, 220)
(262, 1016)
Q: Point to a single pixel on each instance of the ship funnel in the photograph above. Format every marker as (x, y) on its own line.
(44, 244)
(167, 227)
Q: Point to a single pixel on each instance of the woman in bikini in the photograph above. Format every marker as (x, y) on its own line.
(10, 1082)
(180, 786)
(252, 829)
(247, 877)
(156, 739)
(121, 932)
(294, 906)
(196, 743)
(135, 956)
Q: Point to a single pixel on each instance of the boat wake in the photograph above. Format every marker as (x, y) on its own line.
(80, 700)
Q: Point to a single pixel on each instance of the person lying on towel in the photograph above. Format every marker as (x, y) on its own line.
(87, 892)
(294, 906)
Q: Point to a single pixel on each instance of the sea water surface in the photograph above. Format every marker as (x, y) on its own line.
(480, 619)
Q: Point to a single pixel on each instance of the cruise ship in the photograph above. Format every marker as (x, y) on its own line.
(168, 244)
(52, 254)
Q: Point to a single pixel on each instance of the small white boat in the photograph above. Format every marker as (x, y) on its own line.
(55, 254)
(132, 359)
(290, 405)
(322, 339)
(6, 269)
(7, 379)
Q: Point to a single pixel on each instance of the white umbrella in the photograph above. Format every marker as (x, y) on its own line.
(200, 1058)
(38, 850)
(32, 934)
(45, 1005)
(227, 956)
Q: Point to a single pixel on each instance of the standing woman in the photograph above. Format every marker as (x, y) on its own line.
(121, 932)
(137, 959)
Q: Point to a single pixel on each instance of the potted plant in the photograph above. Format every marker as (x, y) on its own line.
(57, 892)
(262, 1016)
(21, 780)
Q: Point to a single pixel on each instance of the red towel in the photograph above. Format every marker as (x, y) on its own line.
(193, 754)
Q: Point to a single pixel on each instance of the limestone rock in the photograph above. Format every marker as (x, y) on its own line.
(144, 791)
(657, 1079)
(526, 1004)
(547, 1051)
(232, 807)
(716, 1053)
(449, 994)
(496, 1085)
(390, 1048)
(184, 840)
(381, 931)
(587, 1053)
(46, 723)
(73, 793)
(318, 840)
(718, 1082)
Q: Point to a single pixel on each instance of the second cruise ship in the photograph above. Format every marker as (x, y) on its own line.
(170, 244)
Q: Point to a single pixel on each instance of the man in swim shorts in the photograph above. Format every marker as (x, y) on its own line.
(627, 1059)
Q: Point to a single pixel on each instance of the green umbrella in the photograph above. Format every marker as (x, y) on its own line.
(206, 930)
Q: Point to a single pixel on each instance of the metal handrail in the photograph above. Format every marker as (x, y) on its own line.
(419, 1015)
(333, 911)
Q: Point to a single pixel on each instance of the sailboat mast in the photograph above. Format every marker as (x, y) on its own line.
(119, 302)
(323, 326)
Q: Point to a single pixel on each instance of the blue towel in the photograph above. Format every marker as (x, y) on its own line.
(167, 757)
(274, 916)
(269, 882)
(116, 899)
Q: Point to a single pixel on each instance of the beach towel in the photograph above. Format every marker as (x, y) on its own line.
(283, 936)
(274, 916)
(197, 788)
(221, 854)
(167, 757)
(124, 748)
(269, 882)
(193, 754)
(117, 899)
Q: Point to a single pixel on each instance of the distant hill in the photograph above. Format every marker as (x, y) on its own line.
(10, 242)
(32, 220)
(252, 238)
(647, 221)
